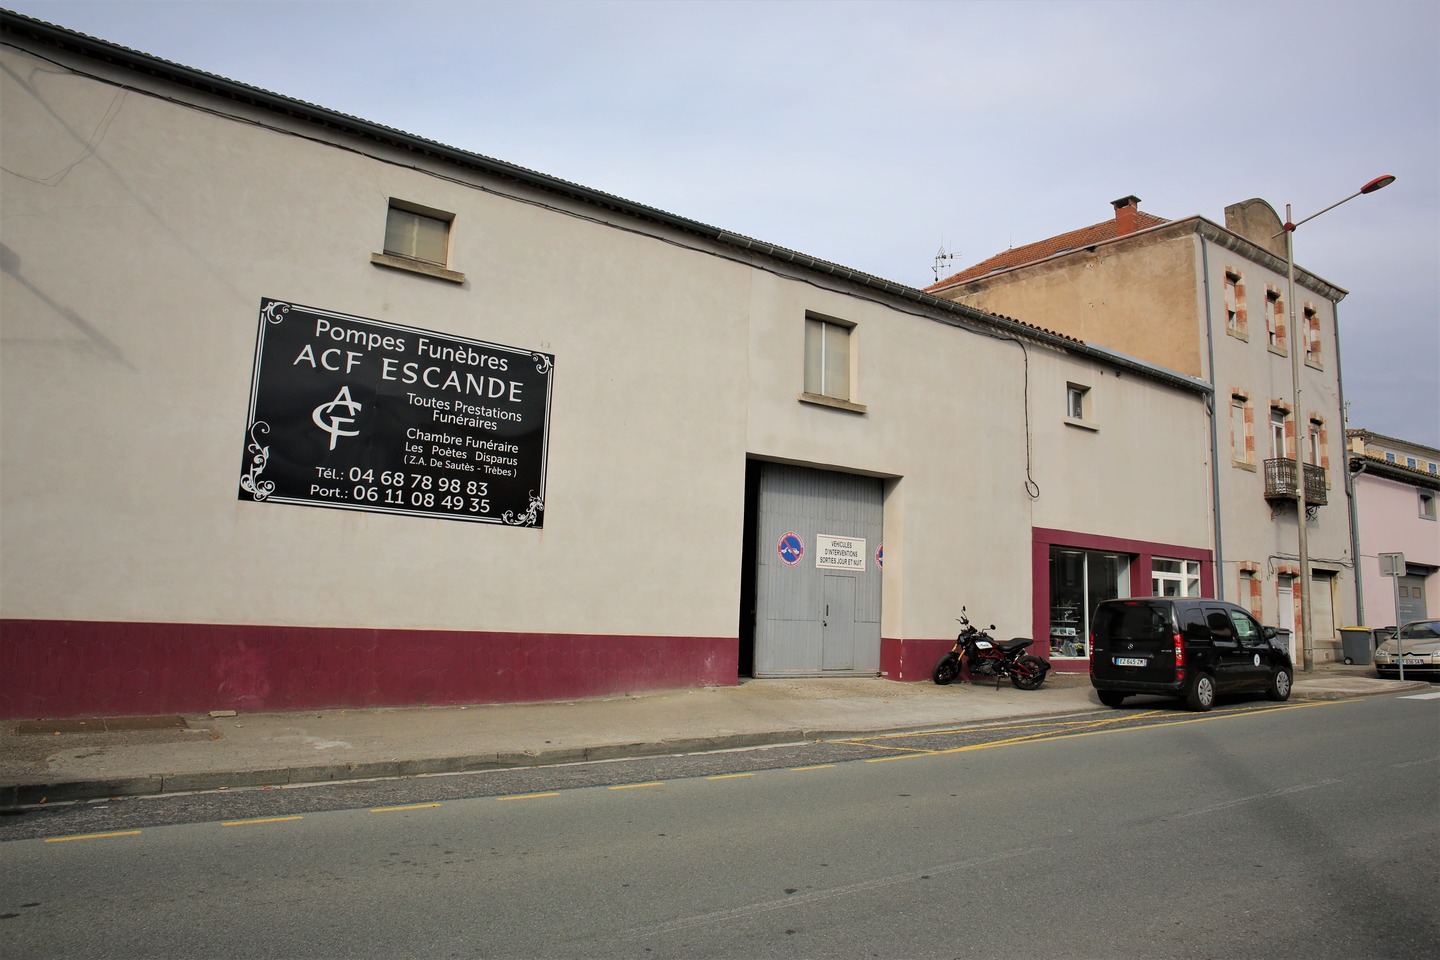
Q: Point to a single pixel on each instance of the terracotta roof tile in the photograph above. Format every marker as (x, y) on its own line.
(1030, 252)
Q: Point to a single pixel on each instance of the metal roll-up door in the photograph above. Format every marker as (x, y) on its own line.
(818, 578)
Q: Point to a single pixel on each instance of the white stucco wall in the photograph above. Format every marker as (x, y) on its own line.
(136, 258)
(133, 279)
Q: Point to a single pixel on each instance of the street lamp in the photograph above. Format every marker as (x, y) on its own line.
(1302, 425)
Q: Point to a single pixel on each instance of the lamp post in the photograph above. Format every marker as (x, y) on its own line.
(1302, 424)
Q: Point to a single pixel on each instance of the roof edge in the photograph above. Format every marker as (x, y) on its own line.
(1195, 223)
(105, 51)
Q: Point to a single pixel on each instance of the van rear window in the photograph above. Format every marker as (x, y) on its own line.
(1133, 621)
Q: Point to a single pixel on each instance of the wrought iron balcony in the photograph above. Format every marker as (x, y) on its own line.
(1280, 482)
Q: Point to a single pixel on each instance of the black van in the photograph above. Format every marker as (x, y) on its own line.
(1182, 647)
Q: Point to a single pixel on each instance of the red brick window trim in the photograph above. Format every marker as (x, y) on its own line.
(1242, 428)
(1237, 319)
(1311, 326)
(1252, 588)
(1275, 320)
(1283, 444)
(1318, 445)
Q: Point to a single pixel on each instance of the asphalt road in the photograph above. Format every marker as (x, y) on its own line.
(1301, 830)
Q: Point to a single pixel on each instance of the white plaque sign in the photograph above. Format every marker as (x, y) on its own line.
(839, 553)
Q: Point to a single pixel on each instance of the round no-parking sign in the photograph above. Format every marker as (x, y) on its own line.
(791, 549)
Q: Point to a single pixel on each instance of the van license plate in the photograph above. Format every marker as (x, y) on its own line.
(1130, 662)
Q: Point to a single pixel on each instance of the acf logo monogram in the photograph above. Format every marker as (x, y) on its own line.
(327, 419)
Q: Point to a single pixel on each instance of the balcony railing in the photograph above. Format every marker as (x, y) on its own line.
(1280, 482)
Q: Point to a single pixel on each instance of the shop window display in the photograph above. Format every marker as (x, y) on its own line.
(1079, 580)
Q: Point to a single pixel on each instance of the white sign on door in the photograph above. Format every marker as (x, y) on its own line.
(839, 553)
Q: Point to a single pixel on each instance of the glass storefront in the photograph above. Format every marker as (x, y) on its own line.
(1080, 579)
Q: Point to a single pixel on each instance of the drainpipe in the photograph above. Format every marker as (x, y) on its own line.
(1355, 535)
(1214, 429)
(1349, 480)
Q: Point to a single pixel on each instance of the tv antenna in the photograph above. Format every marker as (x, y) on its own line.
(941, 256)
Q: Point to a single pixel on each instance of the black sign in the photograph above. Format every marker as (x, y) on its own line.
(363, 415)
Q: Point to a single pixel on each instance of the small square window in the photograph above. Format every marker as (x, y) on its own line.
(1427, 505)
(1075, 396)
(418, 236)
(417, 240)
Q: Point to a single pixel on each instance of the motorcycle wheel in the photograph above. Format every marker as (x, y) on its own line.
(946, 670)
(1029, 672)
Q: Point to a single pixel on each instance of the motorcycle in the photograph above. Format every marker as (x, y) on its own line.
(988, 657)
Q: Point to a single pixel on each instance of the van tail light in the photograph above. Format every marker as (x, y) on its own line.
(1179, 656)
(1091, 652)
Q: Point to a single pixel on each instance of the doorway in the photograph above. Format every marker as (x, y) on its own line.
(810, 592)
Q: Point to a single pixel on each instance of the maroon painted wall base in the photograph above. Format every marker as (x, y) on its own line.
(912, 660)
(69, 668)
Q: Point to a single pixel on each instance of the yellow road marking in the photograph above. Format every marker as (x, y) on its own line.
(729, 776)
(818, 766)
(1048, 737)
(886, 746)
(1045, 730)
(635, 786)
(92, 836)
(530, 796)
(247, 823)
(412, 806)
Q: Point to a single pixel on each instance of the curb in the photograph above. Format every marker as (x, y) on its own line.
(1361, 687)
(42, 794)
(69, 791)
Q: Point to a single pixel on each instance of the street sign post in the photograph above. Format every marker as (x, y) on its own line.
(1393, 565)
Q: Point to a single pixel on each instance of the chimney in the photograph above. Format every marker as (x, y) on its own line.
(1127, 209)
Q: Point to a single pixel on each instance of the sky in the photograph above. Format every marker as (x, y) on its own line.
(877, 134)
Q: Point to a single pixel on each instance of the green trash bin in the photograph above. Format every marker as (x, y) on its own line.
(1356, 644)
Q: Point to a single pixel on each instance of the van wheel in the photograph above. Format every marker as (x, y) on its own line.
(1279, 688)
(1202, 693)
(1111, 698)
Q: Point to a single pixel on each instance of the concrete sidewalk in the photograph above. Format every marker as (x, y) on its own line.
(54, 761)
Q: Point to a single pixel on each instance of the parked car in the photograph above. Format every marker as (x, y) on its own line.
(1193, 649)
(1419, 643)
